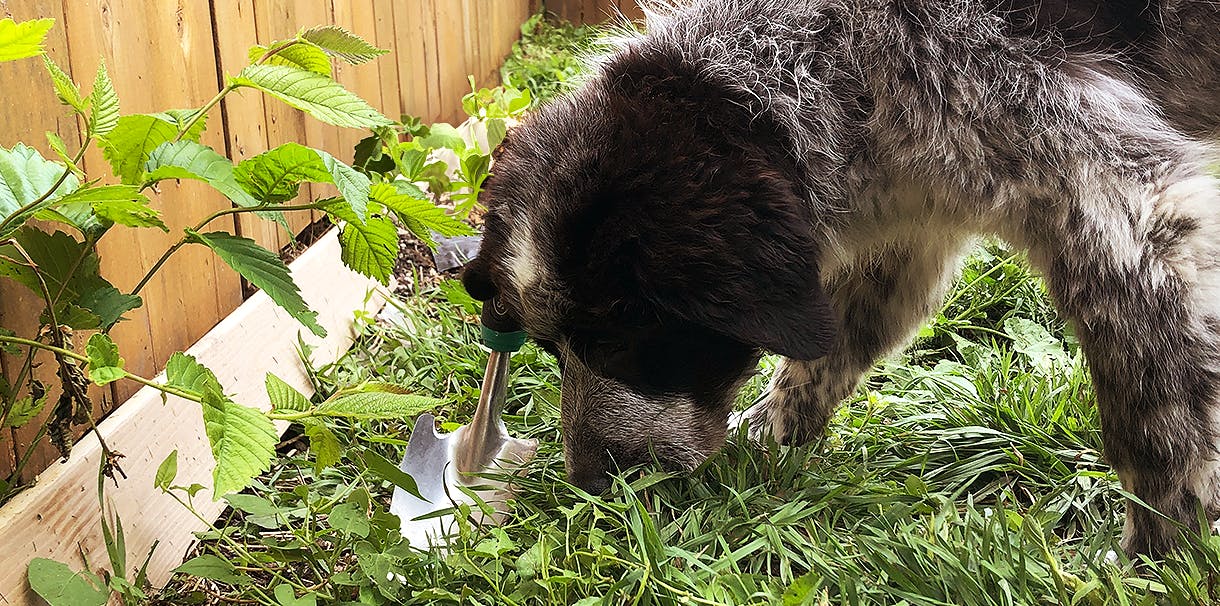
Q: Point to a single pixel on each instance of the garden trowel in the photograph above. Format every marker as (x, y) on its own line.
(443, 464)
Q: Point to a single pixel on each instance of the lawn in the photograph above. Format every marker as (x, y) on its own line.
(966, 470)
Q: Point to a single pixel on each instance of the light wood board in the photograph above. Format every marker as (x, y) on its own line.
(59, 517)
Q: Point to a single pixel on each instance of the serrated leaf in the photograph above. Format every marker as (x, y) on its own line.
(421, 217)
(183, 371)
(377, 405)
(215, 568)
(128, 146)
(24, 177)
(167, 471)
(275, 176)
(304, 55)
(24, 410)
(70, 269)
(342, 44)
(104, 104)
(191, 160)
(122, 204)
(65, 88)
(313, 93)
(243, 442)
(22, 40)
(108, 304)
(284, 396)
(60, 586)
(370, 248)
(105, 363)
(322, 443)
(61, 149)
(263, 269)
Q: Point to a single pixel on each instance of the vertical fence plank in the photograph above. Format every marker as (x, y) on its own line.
(358, 17)
(277, 20)
(244, 113)
(413, 57)
(389, 78)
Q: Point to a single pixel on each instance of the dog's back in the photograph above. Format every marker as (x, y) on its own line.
(1169, 48)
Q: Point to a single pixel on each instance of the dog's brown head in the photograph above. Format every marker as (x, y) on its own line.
(647, 233)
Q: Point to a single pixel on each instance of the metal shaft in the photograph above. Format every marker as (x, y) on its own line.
(482, 438)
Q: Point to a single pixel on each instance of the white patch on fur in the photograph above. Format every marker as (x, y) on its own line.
(524, 263)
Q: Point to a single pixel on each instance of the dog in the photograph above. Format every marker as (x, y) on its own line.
(801, 177)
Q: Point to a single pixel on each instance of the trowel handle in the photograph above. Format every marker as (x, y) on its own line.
(501, 332)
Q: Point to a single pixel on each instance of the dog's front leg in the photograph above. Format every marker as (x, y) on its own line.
(882, 296)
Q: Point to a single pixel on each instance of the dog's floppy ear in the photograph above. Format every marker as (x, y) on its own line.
(743, 262)
(476, 279)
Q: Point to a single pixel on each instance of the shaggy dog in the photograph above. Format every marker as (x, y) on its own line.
(801, 176)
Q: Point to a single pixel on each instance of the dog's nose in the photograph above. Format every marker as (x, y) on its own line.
(593, 483)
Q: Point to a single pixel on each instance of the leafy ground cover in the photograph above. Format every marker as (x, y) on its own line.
(966, 470)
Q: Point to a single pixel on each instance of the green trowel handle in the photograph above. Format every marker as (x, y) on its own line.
(501, 332)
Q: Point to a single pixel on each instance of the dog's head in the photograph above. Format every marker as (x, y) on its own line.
(646, 232)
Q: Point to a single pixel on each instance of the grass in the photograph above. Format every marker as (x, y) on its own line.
(966, 471)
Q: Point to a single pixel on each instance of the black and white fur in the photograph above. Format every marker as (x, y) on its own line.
(801, 176)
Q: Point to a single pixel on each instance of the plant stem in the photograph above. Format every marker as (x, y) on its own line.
(216, 215)
(198, 115)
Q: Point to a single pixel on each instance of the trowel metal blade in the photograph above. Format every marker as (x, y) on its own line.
(426, 460)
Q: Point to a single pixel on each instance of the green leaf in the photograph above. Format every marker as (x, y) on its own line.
(128, 146)
(496, 131)
(349, 519)
(370, 249)
(122, 204)
(108, 304)
(61, 149)
(304, 55)
(377, 405)
(22, 40)
(215, 568)
(70, 269)
(285, 596)
(421, 217)
(323, 443)
(284, 396)
(24, 177)
(456, 294)
(24, 410)
(342, 44)
(184, 372)
(180, 118)
(65, 88)
(104, 102)
(167, 471)
(253, 505)
(316, 94)
(275, 176)
(191, 160)
(243, 442)
(263, 269)
(105, 364)
(389, 472)
(60, 586)
(442, 135)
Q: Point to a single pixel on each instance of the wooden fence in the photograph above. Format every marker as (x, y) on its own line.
(175, 54)
(593, 11)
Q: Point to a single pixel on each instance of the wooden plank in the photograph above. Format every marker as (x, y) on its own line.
(245, 113)
(357, 16)
(415, 54)
(453, 70)
(58, 518)
(389, 85)
(277, 20)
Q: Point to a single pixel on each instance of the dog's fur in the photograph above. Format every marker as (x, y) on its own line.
(801, 176)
